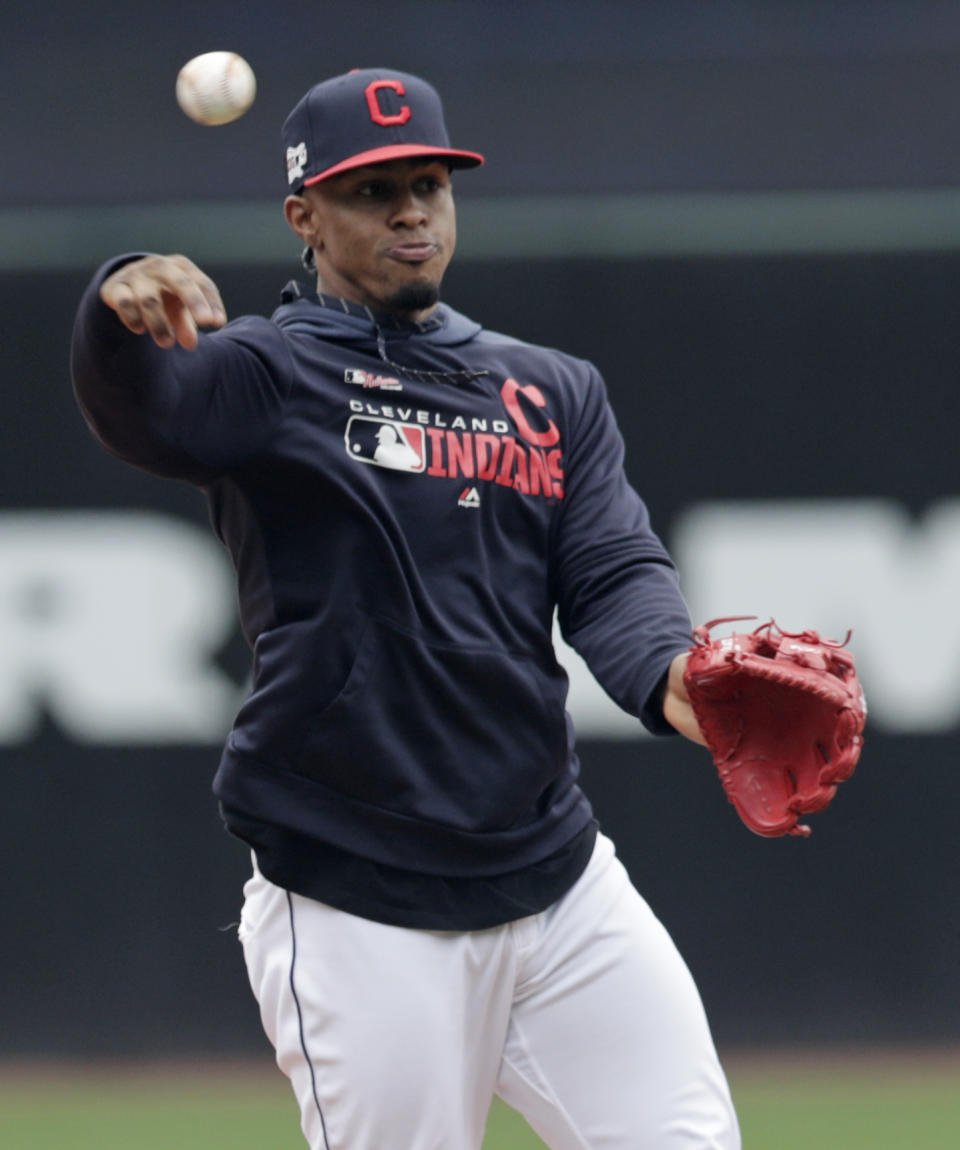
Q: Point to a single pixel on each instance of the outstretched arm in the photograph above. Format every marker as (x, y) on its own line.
(177, 403)
(167, 297)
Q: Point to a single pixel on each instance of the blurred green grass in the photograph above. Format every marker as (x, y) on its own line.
(786, 1102)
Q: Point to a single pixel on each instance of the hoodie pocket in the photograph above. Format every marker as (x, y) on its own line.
(470, 737)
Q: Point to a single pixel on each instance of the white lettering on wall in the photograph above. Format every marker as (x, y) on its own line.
(110, 623)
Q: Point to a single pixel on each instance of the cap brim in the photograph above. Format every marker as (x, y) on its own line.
(398, 152)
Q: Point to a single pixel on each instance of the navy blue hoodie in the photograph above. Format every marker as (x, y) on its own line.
(406, 506)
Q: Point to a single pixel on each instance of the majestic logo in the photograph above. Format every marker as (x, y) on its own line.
(386, 443)
(296, 162)
(368, 379)
(469, 497)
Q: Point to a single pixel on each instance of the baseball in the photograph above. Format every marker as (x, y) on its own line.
(216, 87)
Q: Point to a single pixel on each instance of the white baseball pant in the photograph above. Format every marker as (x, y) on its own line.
(584, 1018)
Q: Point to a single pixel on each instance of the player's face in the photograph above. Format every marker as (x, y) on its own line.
(385, 234)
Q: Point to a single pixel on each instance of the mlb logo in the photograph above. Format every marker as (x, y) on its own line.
(386, 443)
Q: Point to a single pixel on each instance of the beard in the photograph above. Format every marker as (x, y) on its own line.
(413, 297)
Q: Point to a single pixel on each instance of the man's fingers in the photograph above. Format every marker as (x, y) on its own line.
(184, 328)
(167, 297)
(182, 279)
(118, 295)
(211, 293)
(154, 313)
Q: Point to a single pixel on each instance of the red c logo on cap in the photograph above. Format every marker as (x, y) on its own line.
(373, 103)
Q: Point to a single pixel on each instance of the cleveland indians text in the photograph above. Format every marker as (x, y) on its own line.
(473, 449)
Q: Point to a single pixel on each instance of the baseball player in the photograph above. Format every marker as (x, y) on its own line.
(434, 916)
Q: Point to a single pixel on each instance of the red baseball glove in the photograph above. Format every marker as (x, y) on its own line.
(783, 717)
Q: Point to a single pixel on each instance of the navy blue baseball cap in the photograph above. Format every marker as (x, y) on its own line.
(365, 117)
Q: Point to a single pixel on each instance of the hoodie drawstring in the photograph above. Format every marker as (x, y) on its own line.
(424, 376)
